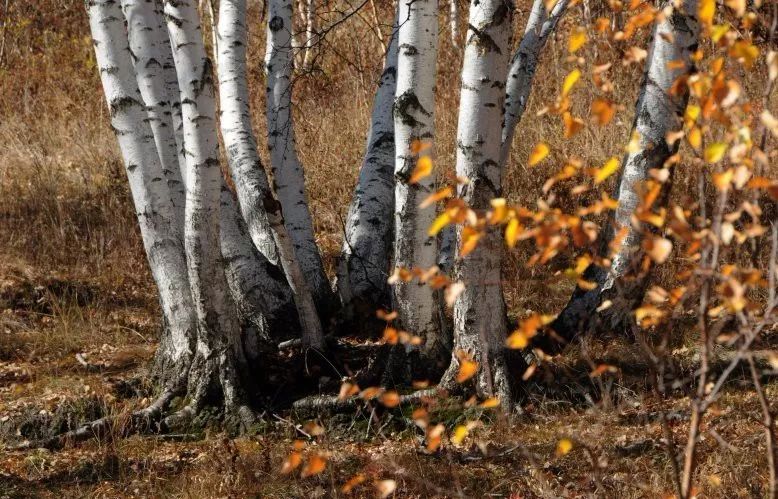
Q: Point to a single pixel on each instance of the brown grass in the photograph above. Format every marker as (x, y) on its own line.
(73, 280)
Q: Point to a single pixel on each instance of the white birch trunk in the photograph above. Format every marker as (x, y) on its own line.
(288, 177)
(219, 354)
(364, 264)
(259, 207)
(173, 93)
(540, 25)
(310, 33)
(657, 112)
(453, 22)
(259, 288)
(414, 109)
(150, 47)
(151, 195)
(480, 322)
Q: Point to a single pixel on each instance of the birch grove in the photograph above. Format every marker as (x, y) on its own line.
(236, 262)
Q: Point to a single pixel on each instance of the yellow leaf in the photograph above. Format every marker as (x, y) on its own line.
(577, 39)
(718, 32)
(315, 465)
(459, 435)
(570, 80)
(538, 154)
(549, 4)
(440, 222)
(423, 169)
(512, 232)
(608, 169)
(745, 52)
(706, 11)
(714, 152)
(564, 446)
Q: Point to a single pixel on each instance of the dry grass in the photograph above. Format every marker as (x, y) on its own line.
(73, 280)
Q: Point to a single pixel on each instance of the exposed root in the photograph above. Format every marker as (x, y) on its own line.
(139, 421)
(330, 403)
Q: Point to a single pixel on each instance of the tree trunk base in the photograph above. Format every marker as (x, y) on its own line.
(499, 377)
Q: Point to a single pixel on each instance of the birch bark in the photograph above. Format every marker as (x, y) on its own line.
(288, 177)
(219, 364)
(453, 22)
(658, 111)
(480, 322)
(149, 45)
(151, 195)
(365, 258)
(259, 207)
(414, 108)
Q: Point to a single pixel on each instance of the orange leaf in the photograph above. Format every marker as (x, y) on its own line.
(467, 367)
(658, 249)
(538, 154)
(706, 11)
(315, 465)
(603, 111)
(390, 399)
(572, 125)
(440, 195)
(352, 482)
(292, 461)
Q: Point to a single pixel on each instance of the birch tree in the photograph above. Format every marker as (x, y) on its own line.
(288, 177)
(659, 110)
(218, 368)
(152, 199)
(480, 323)
(367, 247)
(150, 48)
(524, 62)
(414, 114)
(259, 207)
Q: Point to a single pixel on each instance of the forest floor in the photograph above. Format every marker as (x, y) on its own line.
(73, 350)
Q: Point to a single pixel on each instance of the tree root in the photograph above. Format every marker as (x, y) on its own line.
(331, 403)
(140, 421)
